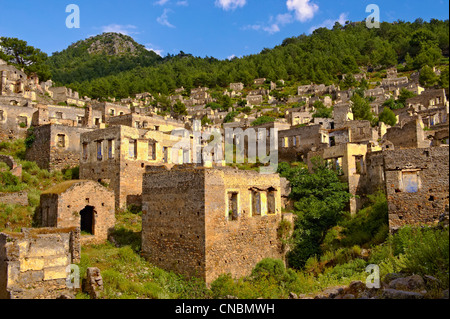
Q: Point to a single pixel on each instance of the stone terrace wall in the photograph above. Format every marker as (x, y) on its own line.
(33, 263)
(417, 185)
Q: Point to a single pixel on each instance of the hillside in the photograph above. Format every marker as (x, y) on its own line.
(321, 57)
(99, 56)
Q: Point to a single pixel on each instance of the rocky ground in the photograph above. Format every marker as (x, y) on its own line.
(394, 286)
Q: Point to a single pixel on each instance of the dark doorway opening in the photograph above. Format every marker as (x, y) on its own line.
(87, 220)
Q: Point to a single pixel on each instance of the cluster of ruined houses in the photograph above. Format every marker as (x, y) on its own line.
(201, 219)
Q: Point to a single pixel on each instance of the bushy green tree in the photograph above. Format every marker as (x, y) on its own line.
(20, 54)
(427, 76)
(388, 117)
(320, 199)
(361, 108)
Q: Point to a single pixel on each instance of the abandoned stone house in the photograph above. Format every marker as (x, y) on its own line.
(236, 86)
(390, 84)
(260, 81)
(206, 222)
(155, 122)
(110, 110)
(417, 185)
(35, 263)
(295, 118)
(117, 156)
(429, 99)
(294, 144)
(15, 82)
(14, 121)
(254, 99)
(349, 161)
(63, 94)
(79, 203)
(409, 134)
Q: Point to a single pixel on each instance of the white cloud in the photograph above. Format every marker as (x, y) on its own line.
(164, 19)
(230, 4)
(231, 57)
(304, 9)
(329, 23)
(158, 52)
(161, 2)
(183, 3)
(117, 28)
(273, 26)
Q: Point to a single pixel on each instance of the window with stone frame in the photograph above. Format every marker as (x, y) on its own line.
(410, 181)
(59, 115)
(152, 151)
(99, 151)
(85, 151)
(61, 140)
(233, 206)
(2, 115)
(359, 165)
(256, 202)
(132, 149)
(271, 202)
(111, 149)
(22, 121)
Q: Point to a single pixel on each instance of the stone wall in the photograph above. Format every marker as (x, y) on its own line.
(19, 198)
(33, 263)
(417, 185)
(10, 118)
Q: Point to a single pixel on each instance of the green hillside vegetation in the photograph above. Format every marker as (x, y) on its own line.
(321, 57)
(99, 56)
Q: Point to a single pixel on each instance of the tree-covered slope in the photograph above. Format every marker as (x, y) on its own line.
(320, 57)
(99, 56)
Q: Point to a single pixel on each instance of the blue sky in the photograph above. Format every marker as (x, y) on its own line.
(218, 28)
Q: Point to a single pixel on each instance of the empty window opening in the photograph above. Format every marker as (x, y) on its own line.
(166, 154)
(233, 210)
(271, 207)
(99, 150)
(152, 151)
(410, 182)
(85, 151)
(87, 220)
(59, 115)
(256, 203)
(110, 149)
(61, 140)
(132, 149)
(359, 165)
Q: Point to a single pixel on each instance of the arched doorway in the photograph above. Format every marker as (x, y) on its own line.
(87, 220)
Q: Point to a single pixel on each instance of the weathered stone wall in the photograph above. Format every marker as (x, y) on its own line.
(33, 264)
(60, 207)
(19, 198)
(10, 118)
(173, 220)
(408, 135)
(16, 169)
(417, 185)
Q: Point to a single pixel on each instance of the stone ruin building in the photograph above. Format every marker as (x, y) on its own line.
(205, 222)
(35, 263)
